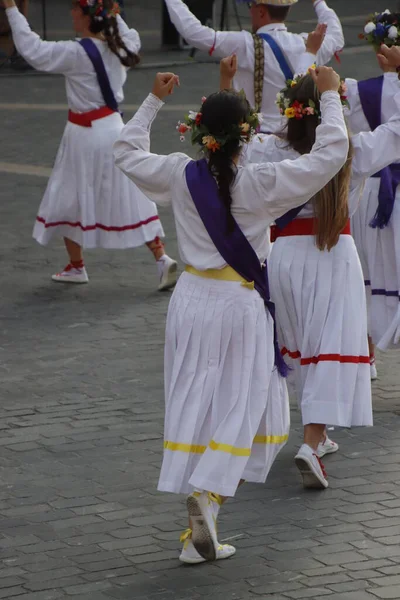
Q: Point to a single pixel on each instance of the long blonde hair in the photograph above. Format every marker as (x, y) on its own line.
(330, 204)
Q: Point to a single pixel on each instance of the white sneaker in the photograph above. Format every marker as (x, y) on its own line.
(327, 447)
(311, 468)
(204, 532)
(374, 372)
(71, 275)
(167, 270)
(190, 556)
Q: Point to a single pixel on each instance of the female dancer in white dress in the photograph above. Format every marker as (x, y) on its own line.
(316, 278)
(227, 412)
(88, 200)
(378, 244)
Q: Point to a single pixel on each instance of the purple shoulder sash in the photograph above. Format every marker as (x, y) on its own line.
(370, 92)
(93, 53)
(234, 247)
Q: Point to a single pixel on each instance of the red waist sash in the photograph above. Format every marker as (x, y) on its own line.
(301, 227)
(86, 119)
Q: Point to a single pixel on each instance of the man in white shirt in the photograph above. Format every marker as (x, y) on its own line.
(257, 55)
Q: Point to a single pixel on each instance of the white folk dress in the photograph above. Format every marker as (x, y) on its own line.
(87, 199)
(241, 43)
(227, 413)
(379, 249)
(320, 299)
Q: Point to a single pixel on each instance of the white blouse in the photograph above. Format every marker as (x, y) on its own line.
(355, 114)
(225, 43)
(372, 151)
(70, 59)
(260, 193)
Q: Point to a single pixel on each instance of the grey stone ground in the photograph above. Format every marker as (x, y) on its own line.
(82, 409)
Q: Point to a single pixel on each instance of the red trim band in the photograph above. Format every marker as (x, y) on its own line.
(97, 225)
(301, 227)
(314, 360)
(86, 119)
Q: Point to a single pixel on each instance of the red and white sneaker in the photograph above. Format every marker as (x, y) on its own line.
(71, 275)
(311, 468)
(167, 272)
(374, 372)
(327, 447)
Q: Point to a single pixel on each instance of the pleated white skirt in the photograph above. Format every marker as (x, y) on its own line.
(379, 251)
(88, 199)
(227, 411)
(322, 325)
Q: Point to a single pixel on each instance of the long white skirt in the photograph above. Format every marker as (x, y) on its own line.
(227, 410)
(322, 325)
(379, 251)
(88, 199)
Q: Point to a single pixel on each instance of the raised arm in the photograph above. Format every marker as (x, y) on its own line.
(52, 57)
(129, 36)
(152, 173)
(219, 43)
(278, 187)
(374, 150)
(334, 39)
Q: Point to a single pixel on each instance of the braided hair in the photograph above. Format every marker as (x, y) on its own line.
(220, 112)
(108, 25)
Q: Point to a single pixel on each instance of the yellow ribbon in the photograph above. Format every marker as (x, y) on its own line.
(225, 274)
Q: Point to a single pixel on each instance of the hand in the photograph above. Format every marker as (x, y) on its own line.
(315, 38)
(164, 84)
(389, 57)
(326, 79)
(8, 3)
(228, 67)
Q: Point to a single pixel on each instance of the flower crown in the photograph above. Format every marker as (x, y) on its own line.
(96, 9)
(382, 28)
(298, 110)
(201, 135)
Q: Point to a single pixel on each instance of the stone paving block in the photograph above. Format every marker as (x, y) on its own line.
(341, 558)
(308, 593)
(386, 592)
(11, 592)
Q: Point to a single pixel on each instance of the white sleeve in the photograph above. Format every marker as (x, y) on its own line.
(52, 57)
(275, 188)
(130, 37)
(152, 173)
(220, 43)
(374, 150)
(334, 39)
(303, 62)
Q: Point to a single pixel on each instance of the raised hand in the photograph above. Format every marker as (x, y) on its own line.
(315, 38)
(389, 57)
(228, 68)
(164, 84)
(325, 78)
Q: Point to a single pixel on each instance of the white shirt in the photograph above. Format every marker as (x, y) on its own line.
(241, 43)
(70, 59)
(355, 114)
(372, 152)
(260, 193)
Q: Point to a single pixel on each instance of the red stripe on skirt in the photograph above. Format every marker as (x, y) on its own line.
(314, 360)
(97, 225)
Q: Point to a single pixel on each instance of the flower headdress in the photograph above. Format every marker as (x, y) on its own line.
(200, 134)
(95, 8)
(293, 109)
(382, 28)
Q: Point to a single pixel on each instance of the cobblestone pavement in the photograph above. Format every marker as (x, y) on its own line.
(82, 409)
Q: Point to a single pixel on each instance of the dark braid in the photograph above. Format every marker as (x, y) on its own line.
(220, 112)
(224, 170)
(109, 27)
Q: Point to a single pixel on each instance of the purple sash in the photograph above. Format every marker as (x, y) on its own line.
(93, 53)
(234, 247)
(370, 92)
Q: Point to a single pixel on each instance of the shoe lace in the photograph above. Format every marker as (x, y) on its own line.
(321, 464)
